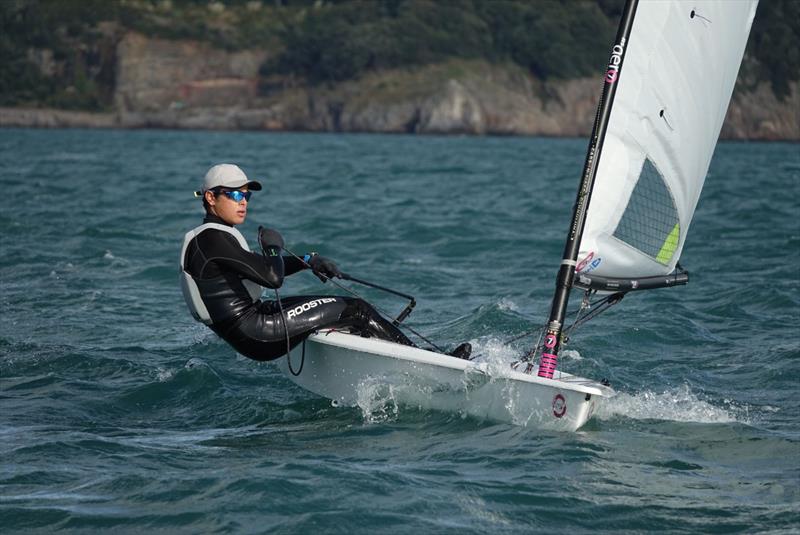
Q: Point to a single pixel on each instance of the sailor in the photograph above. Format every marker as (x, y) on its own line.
(222, 280)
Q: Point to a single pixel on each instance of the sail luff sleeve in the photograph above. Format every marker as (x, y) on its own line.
(566, 272)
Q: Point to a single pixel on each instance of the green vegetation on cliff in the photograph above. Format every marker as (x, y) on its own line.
(342, 40)
(61, 53)
(52, 54)
(773, 51)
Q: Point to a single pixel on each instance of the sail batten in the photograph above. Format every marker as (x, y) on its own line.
(681, 65)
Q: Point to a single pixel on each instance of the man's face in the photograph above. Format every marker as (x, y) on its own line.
(226, 208)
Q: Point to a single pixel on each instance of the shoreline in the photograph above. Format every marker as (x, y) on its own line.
(53, 118)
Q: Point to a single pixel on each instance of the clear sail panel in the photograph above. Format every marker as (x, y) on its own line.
(650, 222)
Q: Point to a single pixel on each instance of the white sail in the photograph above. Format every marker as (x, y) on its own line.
(680, 66)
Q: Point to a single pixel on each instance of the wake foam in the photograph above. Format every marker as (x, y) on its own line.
(377, 401)
(506, 304)
(678, 405)
(495, 352)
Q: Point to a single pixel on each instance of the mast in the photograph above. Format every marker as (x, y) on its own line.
(566, 272)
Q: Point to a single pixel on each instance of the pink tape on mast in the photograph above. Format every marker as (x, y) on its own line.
(547, 365)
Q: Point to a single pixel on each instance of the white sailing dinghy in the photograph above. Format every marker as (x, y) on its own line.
(656, 127)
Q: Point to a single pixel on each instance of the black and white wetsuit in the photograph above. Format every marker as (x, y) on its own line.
(222, 279)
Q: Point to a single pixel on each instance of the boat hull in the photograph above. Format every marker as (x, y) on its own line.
(351, 370)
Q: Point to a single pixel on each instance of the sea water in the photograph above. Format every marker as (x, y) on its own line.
(119, 412)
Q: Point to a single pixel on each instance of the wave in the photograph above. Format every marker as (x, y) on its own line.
(677, 405)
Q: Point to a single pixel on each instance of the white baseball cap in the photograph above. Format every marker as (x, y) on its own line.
(227, 175)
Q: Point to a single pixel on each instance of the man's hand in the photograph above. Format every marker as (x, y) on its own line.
(271, 240)
(324, 268)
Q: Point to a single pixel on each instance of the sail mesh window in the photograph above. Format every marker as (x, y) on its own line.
(650, 222)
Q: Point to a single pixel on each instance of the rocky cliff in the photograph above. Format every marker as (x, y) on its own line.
(186, 84)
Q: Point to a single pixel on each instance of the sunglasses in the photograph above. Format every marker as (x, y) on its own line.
(236, 195)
